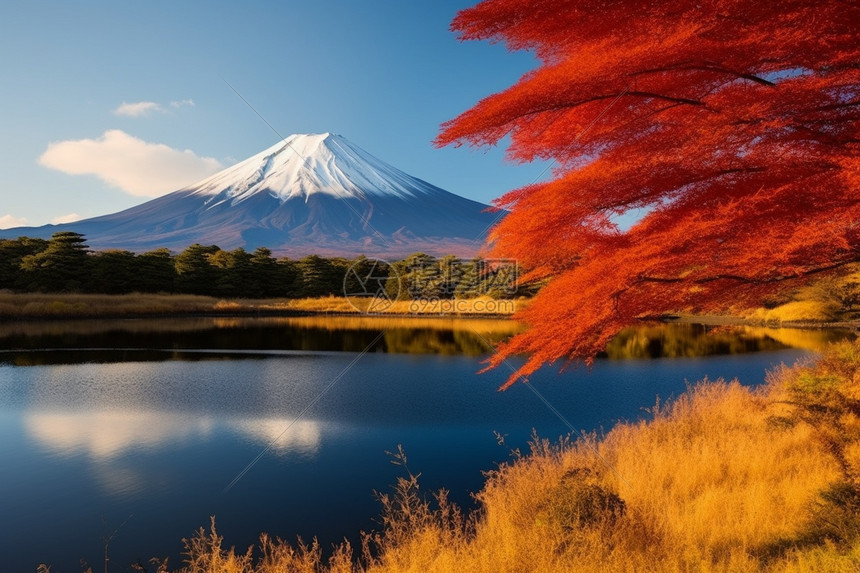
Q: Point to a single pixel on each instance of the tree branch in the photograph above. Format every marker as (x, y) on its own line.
(707, 68)
(641, 94)
(743, 279)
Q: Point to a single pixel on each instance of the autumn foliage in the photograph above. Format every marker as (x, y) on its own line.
(733, 127)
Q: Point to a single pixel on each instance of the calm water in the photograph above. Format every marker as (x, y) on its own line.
(147, 422)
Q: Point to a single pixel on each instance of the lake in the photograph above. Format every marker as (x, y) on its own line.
(151, 426)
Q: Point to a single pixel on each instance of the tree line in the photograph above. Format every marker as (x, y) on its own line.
(65, 264)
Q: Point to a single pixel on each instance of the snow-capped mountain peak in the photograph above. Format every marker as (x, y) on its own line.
(303, 164)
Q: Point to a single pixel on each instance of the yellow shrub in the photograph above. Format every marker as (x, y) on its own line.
(803, 311)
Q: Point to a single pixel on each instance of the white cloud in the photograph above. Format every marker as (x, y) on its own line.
(283, 435)
(138, 109)
(183, 102)
(70, 218)
(136, 166)
(8, 221)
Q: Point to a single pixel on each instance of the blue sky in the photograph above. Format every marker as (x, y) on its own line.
(383, 73)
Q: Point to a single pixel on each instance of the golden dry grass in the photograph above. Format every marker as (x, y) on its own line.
(40, 305)
(437, 307)
(486, 326)
(799, 311)
(724, 479)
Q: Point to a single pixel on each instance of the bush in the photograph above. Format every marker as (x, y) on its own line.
(578, 501)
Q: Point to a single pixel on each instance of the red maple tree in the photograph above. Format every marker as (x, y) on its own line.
(731, 124)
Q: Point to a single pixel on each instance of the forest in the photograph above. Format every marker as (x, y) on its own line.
(64, 264)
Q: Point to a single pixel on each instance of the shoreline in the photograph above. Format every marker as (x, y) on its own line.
(247, 314)
(723, 320)
(38, 307)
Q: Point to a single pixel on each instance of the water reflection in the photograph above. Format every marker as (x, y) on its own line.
(146, 340)
(282, 436)
(120, 481)
(104, 435)
(807, 339)
(186, 339)
(696, 340)
(116, 444)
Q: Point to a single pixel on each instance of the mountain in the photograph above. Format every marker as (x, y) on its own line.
(308, 194)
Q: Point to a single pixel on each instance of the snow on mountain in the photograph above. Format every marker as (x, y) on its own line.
(304, 164)
(310, 193)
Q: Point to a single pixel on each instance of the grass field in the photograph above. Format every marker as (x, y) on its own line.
(22, 306)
